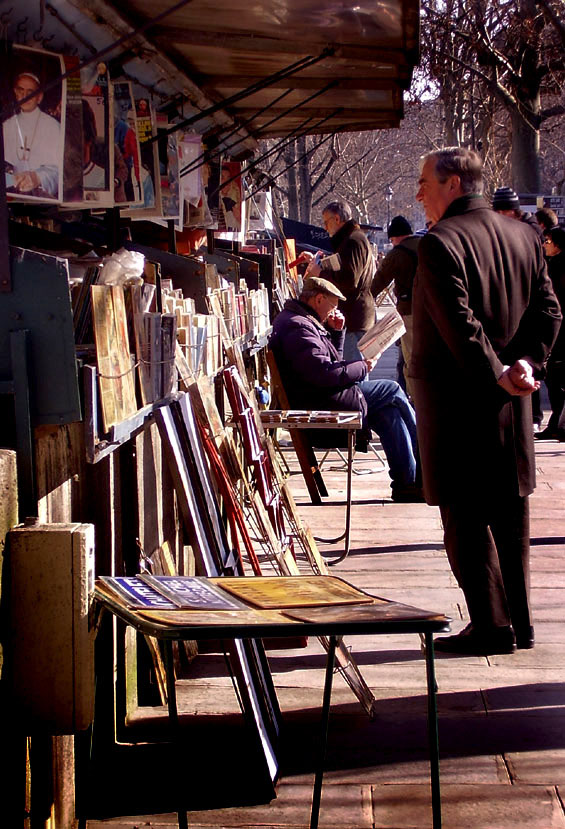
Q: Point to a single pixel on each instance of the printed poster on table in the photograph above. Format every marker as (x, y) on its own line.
(34, 133)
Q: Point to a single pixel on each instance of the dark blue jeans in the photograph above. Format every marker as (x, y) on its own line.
(392, 417)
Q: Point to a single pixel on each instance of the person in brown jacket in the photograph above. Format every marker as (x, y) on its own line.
(399, 266)
(354, 275)
(485, 318)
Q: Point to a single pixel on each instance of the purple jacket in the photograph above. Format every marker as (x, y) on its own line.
(309, 359)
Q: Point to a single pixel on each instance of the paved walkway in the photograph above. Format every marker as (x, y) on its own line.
(502, 718)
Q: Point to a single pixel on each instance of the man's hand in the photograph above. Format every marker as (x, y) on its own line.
(313, 269)
(335, 320)
(371, 364)
(518, 380)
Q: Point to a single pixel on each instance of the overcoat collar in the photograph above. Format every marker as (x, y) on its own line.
(296, 306)
(471, 201)
(342, 234)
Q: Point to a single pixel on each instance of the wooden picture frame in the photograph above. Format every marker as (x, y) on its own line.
(202, 521)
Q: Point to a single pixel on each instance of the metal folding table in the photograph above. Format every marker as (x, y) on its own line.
(333, 621)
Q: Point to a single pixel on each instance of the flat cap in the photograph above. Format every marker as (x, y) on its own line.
(321, 286)
(505, 199)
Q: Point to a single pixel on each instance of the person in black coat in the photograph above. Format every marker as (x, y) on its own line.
(485, 319)
(554, 246)
(307, 342)
(354, 275)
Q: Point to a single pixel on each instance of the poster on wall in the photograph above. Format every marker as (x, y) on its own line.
(167, 152)
(190, 172)
(127, 157)
(149, 162)
(34, 134)
(73, 191)
(212, 176)
(260, 211)
(231, 199)
(97, 119)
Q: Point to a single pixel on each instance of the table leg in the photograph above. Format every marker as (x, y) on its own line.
(317, 793)
(173, 714)
(350, 450)
(433, 735)
(346, 534)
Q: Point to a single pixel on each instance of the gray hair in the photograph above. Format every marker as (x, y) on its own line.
(308, 293)
(458, 161)
(339, 208)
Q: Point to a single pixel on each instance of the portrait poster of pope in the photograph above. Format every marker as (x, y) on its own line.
(34, 131)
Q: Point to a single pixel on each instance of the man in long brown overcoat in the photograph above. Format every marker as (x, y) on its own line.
(485, 318)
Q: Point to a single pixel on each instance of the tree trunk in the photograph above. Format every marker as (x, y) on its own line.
(526, 121)
(290, 159)
(525, 156)
(305, 205)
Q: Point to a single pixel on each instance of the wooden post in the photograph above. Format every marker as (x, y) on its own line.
(5, 274)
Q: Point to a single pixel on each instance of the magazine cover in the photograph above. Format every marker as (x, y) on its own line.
(190, 172)
(127, 157)
(168, 169)
(211, 175)
(73, 190)
(149, 162)
(35, 132)
(98, 155)
(231, 197)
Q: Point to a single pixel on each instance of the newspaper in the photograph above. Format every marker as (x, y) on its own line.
(383, 334)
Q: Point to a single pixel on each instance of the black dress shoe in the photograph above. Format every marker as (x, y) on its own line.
(549, 433)
(410, 494)
(471, 642)
(525, 639)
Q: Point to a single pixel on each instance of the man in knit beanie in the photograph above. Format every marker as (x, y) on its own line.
(506, 202)
(399, 266)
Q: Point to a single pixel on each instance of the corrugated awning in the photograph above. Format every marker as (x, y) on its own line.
(230, 46)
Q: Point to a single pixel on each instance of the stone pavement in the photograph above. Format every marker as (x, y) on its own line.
(501, 718)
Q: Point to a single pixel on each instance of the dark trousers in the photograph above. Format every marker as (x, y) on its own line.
(488, 547)
(537, 411)
(555, 382)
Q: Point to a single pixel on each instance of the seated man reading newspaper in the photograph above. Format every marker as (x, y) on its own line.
(307, 342)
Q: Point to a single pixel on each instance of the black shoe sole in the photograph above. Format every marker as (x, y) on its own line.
(468, 646)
